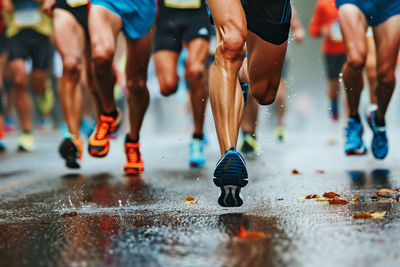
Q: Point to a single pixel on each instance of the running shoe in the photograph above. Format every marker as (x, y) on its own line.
(134, 162)
(2, 147)
(379, 145)
(197, 158)
(249, 145)
(70, 149)
(280, 133)
(99, 142)
(334, 110)
(354, 144)
(45, 101)
(231, 175)
(25, 142)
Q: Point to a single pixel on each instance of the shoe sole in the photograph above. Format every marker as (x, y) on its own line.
(230, 196)
(72, 163)
(132, 171)
(94, 152)
(358, 152)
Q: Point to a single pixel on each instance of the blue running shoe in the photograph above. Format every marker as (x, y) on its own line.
(231, 175)
(354, 144)
(197, 158)
(379, 145)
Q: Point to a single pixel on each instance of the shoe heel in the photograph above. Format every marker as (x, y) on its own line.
(230, 196)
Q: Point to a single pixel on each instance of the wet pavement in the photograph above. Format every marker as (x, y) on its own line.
(96, 216)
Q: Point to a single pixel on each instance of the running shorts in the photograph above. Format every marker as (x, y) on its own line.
(29, 43)
(137, 15)
(334, 65)
(78, 8)
(375, 11)
(269, 19)
(176, 26)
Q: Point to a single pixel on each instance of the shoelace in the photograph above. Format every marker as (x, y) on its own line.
(132, 155)
(102, 130)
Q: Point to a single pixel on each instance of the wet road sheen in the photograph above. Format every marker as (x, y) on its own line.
(52, 216)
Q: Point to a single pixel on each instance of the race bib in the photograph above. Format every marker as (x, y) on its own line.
(335, 32)
(183, 4)
(76, 3)
(27, 16)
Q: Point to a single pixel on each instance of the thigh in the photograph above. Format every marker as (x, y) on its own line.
(69, 35)
(353, 25)
(104, 27)
(387, 40)
(264, 67)
(197, 51)
(165, 63)
(138, 55)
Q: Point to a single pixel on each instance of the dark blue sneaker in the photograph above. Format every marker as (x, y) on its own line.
(231, 175)
(379, 145)
(354, 144)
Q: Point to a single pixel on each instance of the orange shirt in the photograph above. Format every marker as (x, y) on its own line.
(326, 16)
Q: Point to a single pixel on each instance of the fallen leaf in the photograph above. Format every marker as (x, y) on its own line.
(321, 200)
(387, 200)
(311, 196)
(365, 215)
(319, 171)
(71, 214)
(44, 222)
(338, 201)
(244, 234)
(355, 197)
(331, 195)
(386, 191)
(300, 198)
(380, 196)
(294, 171)
(190, 200)
(279, 199)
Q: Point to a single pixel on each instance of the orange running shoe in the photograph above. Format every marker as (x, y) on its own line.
(71, 150)
(134, 162)
(99, 142)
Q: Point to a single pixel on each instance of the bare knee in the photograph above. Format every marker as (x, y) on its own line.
(233, 44)
(102, 57)
(195, 72)
(168, 85)
(356, 60)
(386, 76)
(136, 86)
(72, 68)
(265, 91)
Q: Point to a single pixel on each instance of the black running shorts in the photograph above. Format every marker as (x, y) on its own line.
(176, 26)
(29, 43)
(80, 12)
(269, 19)
(334, 65)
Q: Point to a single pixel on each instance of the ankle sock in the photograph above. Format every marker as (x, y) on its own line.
(198, 136)
(356, 117)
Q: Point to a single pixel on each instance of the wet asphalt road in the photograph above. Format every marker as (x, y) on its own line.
(143, 221)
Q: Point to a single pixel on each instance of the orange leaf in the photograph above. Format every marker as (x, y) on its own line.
(356, 196)
(386, 191)
(248, 235)
(331, 195)
(338, 201)
(279, 199)
(190, 200)
(374, 214)
(319, 171)
(312, 196)
(294, 171)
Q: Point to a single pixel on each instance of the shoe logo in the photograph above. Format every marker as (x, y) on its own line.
(227, 163)
(203, 31)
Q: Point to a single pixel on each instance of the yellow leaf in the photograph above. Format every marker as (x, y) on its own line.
(190, 200)
(365, 215)
(386, 191)
(300, 198)
(321, 200)
(355, 197)
(378, 215)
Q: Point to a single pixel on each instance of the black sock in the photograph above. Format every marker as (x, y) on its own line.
(356, 117)
(114, 113)
(130, 140)
(379, 122)
(198, 136)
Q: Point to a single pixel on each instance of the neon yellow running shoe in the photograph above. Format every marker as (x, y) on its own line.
(25, 142)
(46, 100)
(280, 133)
(249, 145)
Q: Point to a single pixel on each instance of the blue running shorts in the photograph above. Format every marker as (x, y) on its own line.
(375, 11)
(137, 15)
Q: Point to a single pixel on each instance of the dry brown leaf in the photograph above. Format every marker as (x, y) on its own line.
(244, 234)
(294, 171)
(331, 195)
(190, 200)
(365, 215)
(311, 196)
(355, 197)
(386, 191)
(320, 171)
(279, 199)
(338, 201)
(387, 200)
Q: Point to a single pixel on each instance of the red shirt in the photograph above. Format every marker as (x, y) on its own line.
(326, 15)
